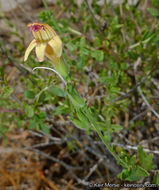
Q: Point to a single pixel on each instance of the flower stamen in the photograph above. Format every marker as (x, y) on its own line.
(35, 28)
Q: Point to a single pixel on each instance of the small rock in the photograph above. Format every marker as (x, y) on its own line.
(51, 2)
(9, 5)
(5, 29)
(35, 3)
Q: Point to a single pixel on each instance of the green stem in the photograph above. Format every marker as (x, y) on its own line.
(91, 119)
(78, 102)
(45, 5)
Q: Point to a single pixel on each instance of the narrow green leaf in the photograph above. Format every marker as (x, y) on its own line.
(82, 117)
(79, 124)
(29, 94)
(154, 12)
(116, 128)
(156, 179)
(57, 91)
(62, 109)
(82, 42)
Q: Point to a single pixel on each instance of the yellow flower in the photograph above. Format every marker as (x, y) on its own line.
(47, 43)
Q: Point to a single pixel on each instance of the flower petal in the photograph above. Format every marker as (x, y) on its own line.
(40, 51)
(42, 32)
(29, 49)
(50, 54)
(56, 44)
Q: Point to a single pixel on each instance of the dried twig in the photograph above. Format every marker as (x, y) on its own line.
(93, 16)
(138, 116)
(66, 166)
(140, 91)
(109, 163)
(129, 147)
(128, 94)
(55, 140)
(93, 168)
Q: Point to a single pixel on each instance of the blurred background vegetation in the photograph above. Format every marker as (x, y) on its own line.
(111, 50)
